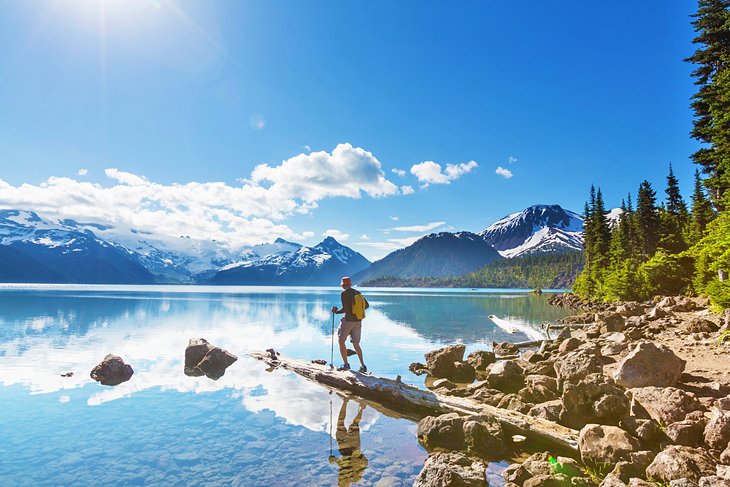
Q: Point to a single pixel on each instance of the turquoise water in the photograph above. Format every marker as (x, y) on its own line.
(250, 427)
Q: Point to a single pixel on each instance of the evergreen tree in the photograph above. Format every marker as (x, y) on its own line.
(647, 219)
(711, 103)
(674, 217)
(702, 213)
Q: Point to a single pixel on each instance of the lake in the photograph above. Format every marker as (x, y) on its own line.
(250, 427)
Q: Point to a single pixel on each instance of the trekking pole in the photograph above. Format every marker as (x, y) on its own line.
(332, 346)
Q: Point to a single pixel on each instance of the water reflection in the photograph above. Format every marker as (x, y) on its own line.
(352, 463)
(249, 419)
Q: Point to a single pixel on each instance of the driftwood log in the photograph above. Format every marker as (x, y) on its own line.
(403, 397)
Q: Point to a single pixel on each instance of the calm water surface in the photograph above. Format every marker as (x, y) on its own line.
(250, 427)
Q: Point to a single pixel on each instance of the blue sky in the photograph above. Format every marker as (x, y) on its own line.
(182, 94)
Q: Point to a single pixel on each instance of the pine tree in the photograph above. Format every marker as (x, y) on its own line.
(674, 217)
(647, 219)
(711, 103)
(702, 213)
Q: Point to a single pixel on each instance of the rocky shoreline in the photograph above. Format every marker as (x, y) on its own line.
(647, 385)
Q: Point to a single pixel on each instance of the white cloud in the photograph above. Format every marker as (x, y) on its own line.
(307, 148)
(406, 190)
(429, 172)
(83, 172)
(336, 234)
(505, 173)
(399, 172)
(307, 234)
(247, 213)
(512, 159)
(394, 218)
(364, 237)
(419, 228)
(257, 121)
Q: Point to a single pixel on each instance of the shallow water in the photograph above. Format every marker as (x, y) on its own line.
(250, 427)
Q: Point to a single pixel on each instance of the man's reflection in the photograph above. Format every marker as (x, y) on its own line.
(353, 463)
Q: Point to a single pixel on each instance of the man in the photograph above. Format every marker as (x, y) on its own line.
(350, 325)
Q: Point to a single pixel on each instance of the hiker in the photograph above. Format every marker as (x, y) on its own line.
(353, 463)
(351, 323)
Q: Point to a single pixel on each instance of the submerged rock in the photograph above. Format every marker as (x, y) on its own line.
(649, 364)
(452, 469)
(112, 371)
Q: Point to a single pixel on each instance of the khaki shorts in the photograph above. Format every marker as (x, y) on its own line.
(351, 328)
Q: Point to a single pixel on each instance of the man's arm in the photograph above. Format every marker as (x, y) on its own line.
(341, 310)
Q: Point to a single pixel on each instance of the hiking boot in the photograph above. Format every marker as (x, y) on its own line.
(363, 368)
(344, 367)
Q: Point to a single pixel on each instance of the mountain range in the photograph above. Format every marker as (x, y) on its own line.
(37, 249)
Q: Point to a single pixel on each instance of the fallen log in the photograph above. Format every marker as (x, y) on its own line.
(399, 396)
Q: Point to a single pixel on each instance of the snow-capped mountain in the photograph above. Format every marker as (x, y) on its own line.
(537, 229)
(322, 264)
(36, 249)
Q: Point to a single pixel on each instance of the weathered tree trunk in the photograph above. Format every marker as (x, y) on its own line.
(397, 395)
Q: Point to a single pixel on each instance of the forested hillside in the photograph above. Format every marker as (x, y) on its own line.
(671, 247)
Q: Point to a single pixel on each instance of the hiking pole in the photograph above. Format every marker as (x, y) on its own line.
(332, 346)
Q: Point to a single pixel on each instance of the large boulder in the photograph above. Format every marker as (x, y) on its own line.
(484, 437)
(698, 324)
(445, 432)
(539, 389)
(686, 432)
(649, 364)
(611, 322)
(505, 349)
(595, 399)
(481, 359)
(452, 469)
(441, 362)
(630, 309)
(215, 362)
(506, 376)
(551, 410)
(576, 365)
(195, 351)
(681, 462)
(463, 373)
(605, 444)
(663, 404)
(717, 431)
(202, 358)
(112, 371)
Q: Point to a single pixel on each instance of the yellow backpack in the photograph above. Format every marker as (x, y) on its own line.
(359, 305)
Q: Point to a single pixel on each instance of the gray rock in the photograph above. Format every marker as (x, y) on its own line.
(686, 432)
(569, 345)
(485, 438)
(714, 481)
(452, 469)
(112, 371)
(612, 349)
(717, 431)
(505, 376)
(656, 313)
(725, 455)
(513, 402)
(594, 399)
(463, 373)
(683, 483)
(647, 431)
(481, 359)
(649, 364)
(516, 473)
(542, 481)
(636, 482)
(551, 410)
(577, 365)
(612, 481)
(697, 324)
(678, 462)
(505, 349)
(630, 309)
(441, 432)
(441, 362)
(601, 443)
(612, 322)
(215, 362)
(539, 389)
(418, 368)
(197, 349)
(663, 404)
(438, 383)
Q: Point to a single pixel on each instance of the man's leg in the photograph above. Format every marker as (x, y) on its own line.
(343, 348)
(342, 333)
(355, 338)
(358, 350)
